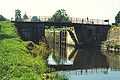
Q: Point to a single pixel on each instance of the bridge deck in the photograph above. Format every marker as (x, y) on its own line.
(62, 24)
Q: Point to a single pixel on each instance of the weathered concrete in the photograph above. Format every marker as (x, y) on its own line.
(71, 38)
(66, 37)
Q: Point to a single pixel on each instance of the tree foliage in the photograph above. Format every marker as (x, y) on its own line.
(34, 19)
(117, 18)
(3, 18)
(60, 16)
(18, 15)
(25, 17)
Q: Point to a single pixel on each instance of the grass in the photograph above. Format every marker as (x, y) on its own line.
(18, 61)
(15, 60)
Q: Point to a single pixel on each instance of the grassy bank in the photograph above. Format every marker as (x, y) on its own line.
(16, 59)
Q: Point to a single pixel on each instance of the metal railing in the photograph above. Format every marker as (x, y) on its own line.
(72, 19)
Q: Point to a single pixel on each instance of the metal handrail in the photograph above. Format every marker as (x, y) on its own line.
(72, 19)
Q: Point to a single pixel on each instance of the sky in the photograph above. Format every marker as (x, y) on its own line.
(94, 9)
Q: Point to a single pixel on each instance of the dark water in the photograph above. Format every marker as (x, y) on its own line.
(78, 64)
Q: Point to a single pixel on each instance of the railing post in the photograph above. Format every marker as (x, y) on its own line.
(97, 21)
(71, 20)
(39, 18)
(76, 20)
(11, 18)
(45, 19)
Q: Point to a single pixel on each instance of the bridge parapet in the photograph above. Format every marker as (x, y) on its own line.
(73, 20)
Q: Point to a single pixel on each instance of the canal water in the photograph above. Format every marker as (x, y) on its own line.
(84, 64)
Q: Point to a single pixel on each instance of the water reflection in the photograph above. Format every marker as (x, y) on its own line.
(90, 59)
(113, 59)
(77, 59)
(81, 64)
(64, 56)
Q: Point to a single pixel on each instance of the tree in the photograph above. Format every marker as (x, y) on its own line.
(18, 15)
(3, 18)
(25, 17)
(60, 16)
(117, 18)
(34, 19)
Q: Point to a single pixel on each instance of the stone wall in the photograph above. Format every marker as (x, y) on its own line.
(113, 34)
(30, 31)
(113, 38)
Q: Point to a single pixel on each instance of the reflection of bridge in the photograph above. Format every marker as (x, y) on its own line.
(85, 71)
(82, 59)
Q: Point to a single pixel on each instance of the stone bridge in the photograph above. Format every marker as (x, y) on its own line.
(87, 34)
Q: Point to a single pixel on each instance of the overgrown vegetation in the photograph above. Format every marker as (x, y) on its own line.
(117, 18)
(19, 60)
(115, 47)
(3, 18)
